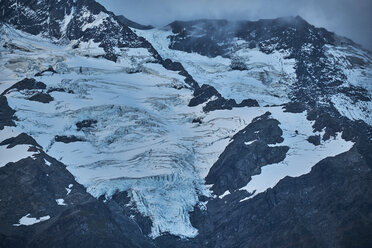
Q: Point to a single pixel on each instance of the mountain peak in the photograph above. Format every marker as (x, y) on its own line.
(78, 21)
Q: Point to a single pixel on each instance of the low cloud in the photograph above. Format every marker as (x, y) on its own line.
(350, 18)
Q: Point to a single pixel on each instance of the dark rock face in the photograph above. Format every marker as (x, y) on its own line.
(50, 90)
(173, 66)
(216, 31)
(41, 97)
(85, 124)
(203, 94)
(329, 207)
(50, 69)
(120, 202)
(238, 65)
(325, 120)
(22, 139)
(294, 107)
(357, 94)
(207, 93)
(30, 84)
(213, 37)
(246, 154)
(91, 226)
(176, 66)
(26, 84)
(197, 120)
(67, 139)
(133, 24)
(6, 113)
(314, 139)
(222, 103)
(249, 103)
(30, 186)
(13, 47)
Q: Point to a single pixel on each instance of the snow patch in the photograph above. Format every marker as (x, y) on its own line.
(66, 20)
(14, 154)
(28, 221)
(302, 155)
(61, 202)
(98, 20)
(361, 110)
(249, 142)
(227, 192)
(47, 162)
(356, 64)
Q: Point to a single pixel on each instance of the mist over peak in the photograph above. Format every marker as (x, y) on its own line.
(345, 17)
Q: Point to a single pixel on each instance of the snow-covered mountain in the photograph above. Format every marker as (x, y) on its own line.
(87, 23)
(287, 57)
(207, 133)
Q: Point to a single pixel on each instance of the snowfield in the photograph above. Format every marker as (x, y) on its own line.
(15, 153)
(302, 154)
(357, 66)
(140, 135)
(268, 77)
(27, 221)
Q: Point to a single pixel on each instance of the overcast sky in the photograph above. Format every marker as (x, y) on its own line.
(350, 18)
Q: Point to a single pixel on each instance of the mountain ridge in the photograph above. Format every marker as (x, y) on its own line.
(133, 24)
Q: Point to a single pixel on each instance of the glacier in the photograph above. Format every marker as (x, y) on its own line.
(143, 139)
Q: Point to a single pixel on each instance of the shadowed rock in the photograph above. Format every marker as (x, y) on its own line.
(67, 139)
(26, 84)
(207, 93)
(41, 97)
(314, 139)
(50, 69)
(328, 207)
(85, 124)
(246, 154)
(29, 186)
(6, 113)
(21, 139)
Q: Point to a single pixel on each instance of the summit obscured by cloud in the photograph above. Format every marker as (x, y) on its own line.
(350, 18)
